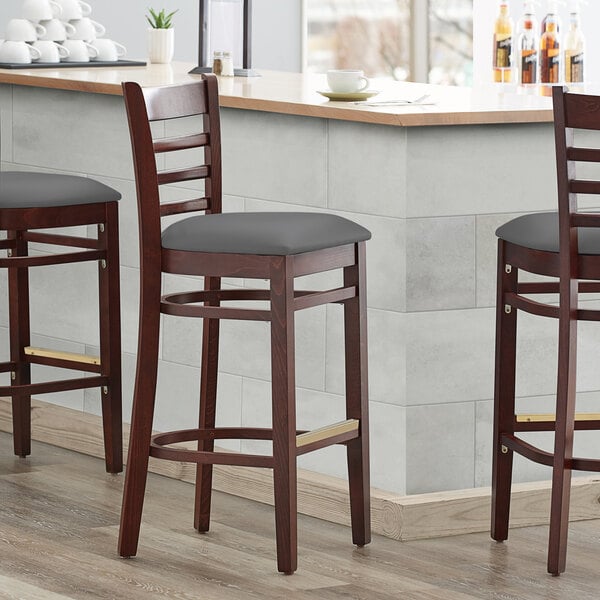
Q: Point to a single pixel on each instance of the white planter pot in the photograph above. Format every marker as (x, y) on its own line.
(161, 45)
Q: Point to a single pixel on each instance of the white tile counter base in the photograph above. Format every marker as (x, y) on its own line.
(432, 197)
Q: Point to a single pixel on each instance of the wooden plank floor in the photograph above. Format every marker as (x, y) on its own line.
(58, 529)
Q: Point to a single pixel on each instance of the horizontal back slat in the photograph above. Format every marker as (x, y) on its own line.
(175, 175)
(585, 220)
(174, 208)
(583, 154)
(184, 142)
(578, 186)
(175, 101)
(582, 111)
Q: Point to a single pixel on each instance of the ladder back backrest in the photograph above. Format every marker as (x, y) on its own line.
(573, 112)
(145, 107)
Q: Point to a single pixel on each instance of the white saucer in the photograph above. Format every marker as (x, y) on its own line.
(348, 96)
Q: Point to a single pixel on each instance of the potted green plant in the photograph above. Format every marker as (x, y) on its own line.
(161, 36)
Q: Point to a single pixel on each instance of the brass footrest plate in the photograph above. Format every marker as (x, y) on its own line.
(544, 418)
(59, 354)
(323, 433)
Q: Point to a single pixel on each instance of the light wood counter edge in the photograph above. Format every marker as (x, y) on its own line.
(322, 496)
(396, 119)
(404, 117)
(8, 76)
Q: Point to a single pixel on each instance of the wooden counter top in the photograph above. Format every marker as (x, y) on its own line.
(296, 94)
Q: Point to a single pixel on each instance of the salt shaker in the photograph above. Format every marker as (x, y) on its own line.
(227, 63)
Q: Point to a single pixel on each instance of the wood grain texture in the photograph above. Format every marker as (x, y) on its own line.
(296, 94)
(398, 517)
(58, 533)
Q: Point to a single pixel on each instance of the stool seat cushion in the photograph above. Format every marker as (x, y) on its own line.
(22, 189)
(269, 234)
(539, 231)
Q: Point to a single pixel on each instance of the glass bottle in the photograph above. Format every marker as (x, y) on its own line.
(528, 47)
(550, 57)
(503, 32)
(574, 48)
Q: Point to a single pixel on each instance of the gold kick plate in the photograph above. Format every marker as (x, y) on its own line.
(72, 356)
(316, 435)
(552, 417)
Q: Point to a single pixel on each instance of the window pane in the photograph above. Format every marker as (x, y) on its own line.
(373, 35)
(451, 42)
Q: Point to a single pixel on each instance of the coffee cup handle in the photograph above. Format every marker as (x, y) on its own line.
(92, 50)
(86, 9)
(40, 30)
(365, 84)
(56, 8)
(70, 30)
(100, 29)
(62, 51)
(121, 50)
(34, 52)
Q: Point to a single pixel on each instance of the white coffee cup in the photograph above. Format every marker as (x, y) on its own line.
(74, 9)
(40, 10)
(108, 51)
(22, 30)
(79, 51)
(86, 29)
(50, 52)
(56, 30)
(18, 52)
(346, 81)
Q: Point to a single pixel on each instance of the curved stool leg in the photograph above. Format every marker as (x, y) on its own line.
(504, 398)
(283, 386)
(208, 406)
(142, 416)
(563, 439)
(19, 326)
(357, 399)
(110, 341)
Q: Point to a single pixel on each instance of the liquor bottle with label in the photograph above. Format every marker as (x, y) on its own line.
(574, 48)
(528, 46)
(503, 32)
(550, 57)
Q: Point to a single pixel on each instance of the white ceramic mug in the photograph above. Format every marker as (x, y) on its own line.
(108, 51)
(40, 10)
(18, 52)
(86, 29)
(22, 30)
(74, 9)
(79, 51)
(346, 81)
(50, 52)
(56, 31)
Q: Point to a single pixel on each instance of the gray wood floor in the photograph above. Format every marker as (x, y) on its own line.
(58, 529)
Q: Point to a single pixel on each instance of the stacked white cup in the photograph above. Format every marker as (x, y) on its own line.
(51, 31)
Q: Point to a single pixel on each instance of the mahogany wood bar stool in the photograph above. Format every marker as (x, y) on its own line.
(274, 246)
(29, 202)
(564, 245)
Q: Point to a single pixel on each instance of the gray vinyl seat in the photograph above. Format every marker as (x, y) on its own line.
(23, 189)
(267, 234)
(539, 231)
